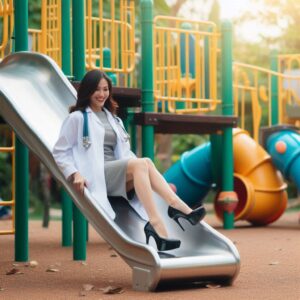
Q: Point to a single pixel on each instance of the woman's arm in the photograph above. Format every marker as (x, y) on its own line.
(62, 151)
(78, 181)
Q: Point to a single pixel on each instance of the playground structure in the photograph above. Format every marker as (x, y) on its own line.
(268, 90)
(213, 257)
(177, 86)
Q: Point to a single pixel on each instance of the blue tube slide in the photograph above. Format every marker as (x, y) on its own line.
(284, 148)
(192, 175)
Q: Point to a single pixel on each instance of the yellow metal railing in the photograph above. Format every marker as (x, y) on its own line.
(51, 29)
(180, 79)
(10, 202)
(6, 25)
(113, 32)
(47, 40)
(36, 40)
(252, 85)
(288, 62)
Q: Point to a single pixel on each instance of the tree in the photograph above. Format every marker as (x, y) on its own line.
(278, 22)
(195, 9)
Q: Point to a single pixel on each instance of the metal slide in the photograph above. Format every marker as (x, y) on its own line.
(34, 100)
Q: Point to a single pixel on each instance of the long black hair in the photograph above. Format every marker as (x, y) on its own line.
(88, 86)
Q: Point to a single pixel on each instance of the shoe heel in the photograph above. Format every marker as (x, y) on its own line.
(162, 244)
(177, 221)
(147, 238)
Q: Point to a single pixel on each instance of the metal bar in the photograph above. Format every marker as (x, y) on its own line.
(147, 75)
(66, 68)
(79, 243)
(22, 164)
(227, 110)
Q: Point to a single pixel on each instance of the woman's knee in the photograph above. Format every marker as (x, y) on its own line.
(150, 163)
(139, 165)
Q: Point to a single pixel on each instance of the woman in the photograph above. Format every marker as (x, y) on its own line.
(108, 163)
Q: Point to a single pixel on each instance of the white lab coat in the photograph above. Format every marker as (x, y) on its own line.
(71, 156)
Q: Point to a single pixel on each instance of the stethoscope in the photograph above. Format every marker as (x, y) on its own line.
(86, 141)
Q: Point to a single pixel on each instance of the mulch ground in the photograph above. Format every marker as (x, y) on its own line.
(270, 266)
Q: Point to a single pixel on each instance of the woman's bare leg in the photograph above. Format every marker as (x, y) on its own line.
(160, 186)
(138, 171)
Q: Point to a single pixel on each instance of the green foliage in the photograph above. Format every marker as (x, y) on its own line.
(281, 16)
(161, 7)
(214, 15)
(185, 142)
(5, 176)
(34, 14)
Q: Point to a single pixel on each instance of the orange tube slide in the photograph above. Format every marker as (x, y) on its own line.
(259, 186)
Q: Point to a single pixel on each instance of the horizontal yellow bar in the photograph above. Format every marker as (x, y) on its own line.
(31, 30)
(158, 18)
(243, 87)
(187, 31)
(186, 100)
(7, 203)
(7, 232)
(242, 65)
(7, 149)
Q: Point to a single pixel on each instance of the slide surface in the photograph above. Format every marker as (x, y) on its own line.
(34, 100)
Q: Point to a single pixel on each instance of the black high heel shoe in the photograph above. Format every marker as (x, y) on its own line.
(194, 217)
(161, 243)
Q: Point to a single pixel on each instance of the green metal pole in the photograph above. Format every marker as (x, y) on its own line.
(66, 203)
(66, 68)
(133, 133)
(274, 89)
(78, 40)
(22, 161)
(66, 36)
(216, 159)
(107, 64)
(227, 110)
(79, 222)
(147, 75)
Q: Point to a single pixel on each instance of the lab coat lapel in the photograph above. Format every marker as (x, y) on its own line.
(93, 116)
(113, 123)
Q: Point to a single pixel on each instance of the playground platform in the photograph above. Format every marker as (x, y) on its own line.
(270, 266)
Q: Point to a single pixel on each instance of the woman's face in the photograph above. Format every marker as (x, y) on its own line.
(99, 97)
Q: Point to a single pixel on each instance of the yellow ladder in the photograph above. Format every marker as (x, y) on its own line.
(11, 202)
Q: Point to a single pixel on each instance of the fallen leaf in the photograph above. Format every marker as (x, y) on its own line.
(113, 255)
(83, 263)
(14, 271)
(53, 270)
(15, 264)
(32, 264)
(213, 286)
(87, 287)
(273, 263)
(112, 290)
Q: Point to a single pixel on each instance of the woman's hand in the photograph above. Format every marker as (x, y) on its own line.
(79, 182)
